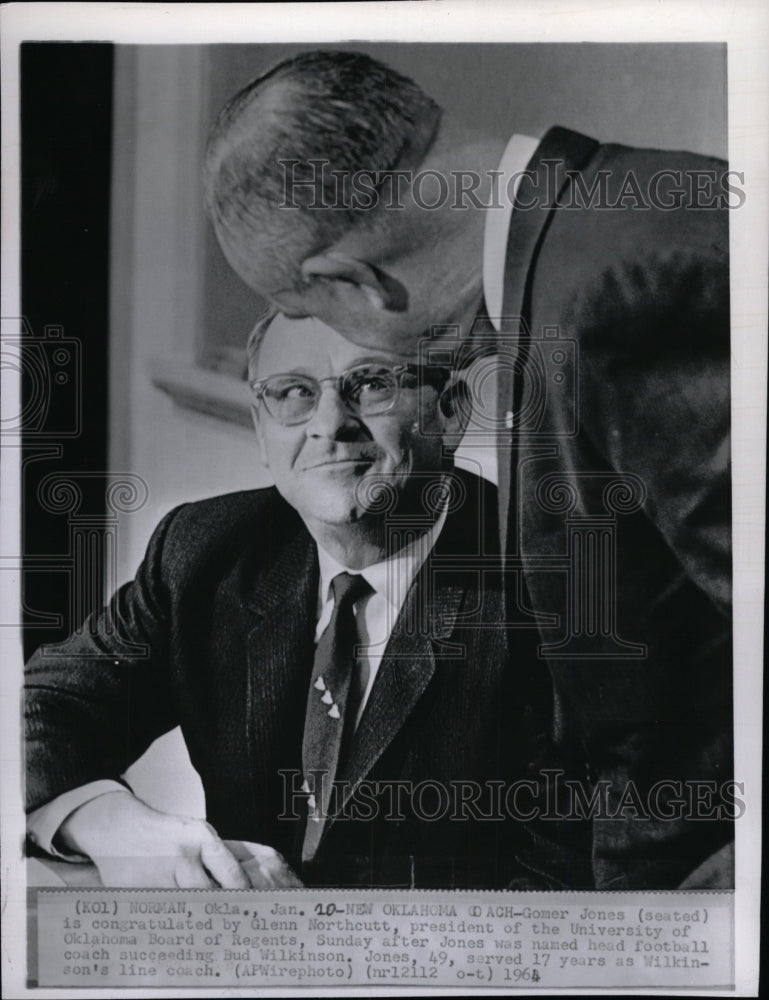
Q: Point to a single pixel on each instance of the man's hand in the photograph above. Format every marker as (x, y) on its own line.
(132, 844)
(265, 868)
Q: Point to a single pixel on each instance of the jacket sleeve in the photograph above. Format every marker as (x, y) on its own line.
(96, 701)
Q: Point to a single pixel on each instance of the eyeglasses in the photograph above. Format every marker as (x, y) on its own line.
(367, 390)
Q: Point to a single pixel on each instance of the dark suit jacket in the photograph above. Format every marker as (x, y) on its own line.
(617, 478)
(225, 603)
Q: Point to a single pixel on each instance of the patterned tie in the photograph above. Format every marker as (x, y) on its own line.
(327, 704)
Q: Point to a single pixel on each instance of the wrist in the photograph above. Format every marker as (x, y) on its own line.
(83, 831)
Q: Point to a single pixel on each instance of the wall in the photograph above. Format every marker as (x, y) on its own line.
(670, 96)
(157, 229)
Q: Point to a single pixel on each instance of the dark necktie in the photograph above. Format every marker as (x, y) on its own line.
(329, 705)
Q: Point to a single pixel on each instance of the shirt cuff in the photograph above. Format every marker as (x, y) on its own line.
(43, 824)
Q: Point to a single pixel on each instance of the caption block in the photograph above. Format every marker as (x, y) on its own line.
(128, 938)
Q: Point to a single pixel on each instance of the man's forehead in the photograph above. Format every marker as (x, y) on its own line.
(290, 344)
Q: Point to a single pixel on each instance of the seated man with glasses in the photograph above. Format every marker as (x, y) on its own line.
(331, 648)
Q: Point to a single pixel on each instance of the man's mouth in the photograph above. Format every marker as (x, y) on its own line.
(341, 463)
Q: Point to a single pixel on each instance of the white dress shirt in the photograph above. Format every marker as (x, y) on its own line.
(516, 156)
(478, 453)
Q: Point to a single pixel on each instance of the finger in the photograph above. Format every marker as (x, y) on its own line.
(275, 875)
(290, 879)
(238, 848)
(223, 865)
(267, 868)
(192, 875)
(261, 865)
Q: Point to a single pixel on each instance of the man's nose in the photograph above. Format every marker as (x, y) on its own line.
(333, 418)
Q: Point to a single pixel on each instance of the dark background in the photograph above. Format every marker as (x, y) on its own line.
(66, 139)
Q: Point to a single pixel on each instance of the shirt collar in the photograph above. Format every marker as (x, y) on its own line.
(392, 577)
(515, 158)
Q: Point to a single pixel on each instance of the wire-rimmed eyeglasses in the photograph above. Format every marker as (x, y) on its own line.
(366, 389)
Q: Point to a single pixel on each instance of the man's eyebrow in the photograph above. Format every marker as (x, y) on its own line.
(291, 371)
(387, 359)
(356, 363)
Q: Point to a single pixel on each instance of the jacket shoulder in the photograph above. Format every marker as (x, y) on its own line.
(641, 264)
(222, 527)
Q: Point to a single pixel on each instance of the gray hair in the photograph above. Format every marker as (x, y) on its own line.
(255, 339)
(344, 109)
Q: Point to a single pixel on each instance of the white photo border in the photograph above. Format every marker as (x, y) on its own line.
(744, 26)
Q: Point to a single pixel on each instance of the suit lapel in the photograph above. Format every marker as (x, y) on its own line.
(421, 631)
(541, 186)
(288, 586)
(560, 151)
(282, 613)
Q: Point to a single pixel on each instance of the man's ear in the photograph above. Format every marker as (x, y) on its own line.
(381, 290)
(259, 437)
(455, 405)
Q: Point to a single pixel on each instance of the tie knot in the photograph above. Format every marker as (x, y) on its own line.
(348, 588)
